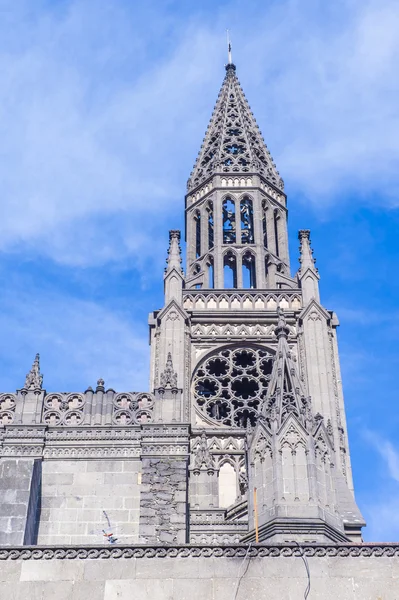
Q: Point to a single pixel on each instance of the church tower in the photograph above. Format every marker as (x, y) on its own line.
(245, 355)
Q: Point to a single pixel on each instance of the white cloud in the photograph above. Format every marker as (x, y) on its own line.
(103, 112)
(387, 451)
(79, 341)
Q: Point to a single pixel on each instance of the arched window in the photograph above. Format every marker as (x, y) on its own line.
(248, 271)
(275, 214)
(264, 224)
(229, 222)
(210, 226)
(197, 234)
(247, 221)
(230, 271)
(211, 275)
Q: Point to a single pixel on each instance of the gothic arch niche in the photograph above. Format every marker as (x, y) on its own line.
(230, 271)
(248, 271)
(209, 212)
(247, 221)
(230, 385)
(197, 222)
(229, 221)
(227, 484)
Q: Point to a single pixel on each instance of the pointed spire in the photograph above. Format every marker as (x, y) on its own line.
(306, 253)
(285, 394)
(169, 377)
(34, 380)
(233, 142)
(174, 252)
(308, 274)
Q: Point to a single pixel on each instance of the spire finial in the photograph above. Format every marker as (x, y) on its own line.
(230, 62)
(34, 379)
(174, 252)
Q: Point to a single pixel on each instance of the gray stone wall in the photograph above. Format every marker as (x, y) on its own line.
(15, 491)
(76, 492)
(199, 576)
(163, 501)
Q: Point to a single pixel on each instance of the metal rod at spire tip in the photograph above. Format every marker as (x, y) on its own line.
(229, 47)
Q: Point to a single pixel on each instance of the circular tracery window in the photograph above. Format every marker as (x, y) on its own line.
(229, 387)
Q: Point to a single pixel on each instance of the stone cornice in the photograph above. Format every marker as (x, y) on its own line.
(199, 551)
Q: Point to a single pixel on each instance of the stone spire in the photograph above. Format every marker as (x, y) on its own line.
(34, 380)
(285, 394)
(233, 142)
(168, 377)
(308, 274)
(174, 276)
(174, 252)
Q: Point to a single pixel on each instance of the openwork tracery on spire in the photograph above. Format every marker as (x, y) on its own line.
(233, 142)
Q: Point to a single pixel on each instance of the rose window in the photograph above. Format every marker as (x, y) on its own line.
(230, 387)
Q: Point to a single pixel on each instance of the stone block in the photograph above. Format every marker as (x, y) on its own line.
(100, 570)
(88, 479)
(105, 466)
(52, 570)
(58, 479)
(131, 465)
(87, 590)
(192, 589)
(159, 589)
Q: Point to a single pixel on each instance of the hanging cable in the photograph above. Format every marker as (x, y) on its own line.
(305, 561)
(244, 573)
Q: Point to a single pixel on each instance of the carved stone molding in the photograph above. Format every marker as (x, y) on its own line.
(8, 403)
(199, 551)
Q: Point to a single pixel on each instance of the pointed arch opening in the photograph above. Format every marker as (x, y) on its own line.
(211, 274)
(248, 271)
(247, 221)
(197, 221)
(229, 221)
(210, 226)
(275, 219)
(230, 270)
(264, 224)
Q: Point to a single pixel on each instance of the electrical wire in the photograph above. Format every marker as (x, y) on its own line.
(244, 573)
(305, 561)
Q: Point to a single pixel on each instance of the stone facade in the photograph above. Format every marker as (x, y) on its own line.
(202, 573)
(242, 435)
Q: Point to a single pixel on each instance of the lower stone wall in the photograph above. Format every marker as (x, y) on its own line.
(347, 572)
(75, 494)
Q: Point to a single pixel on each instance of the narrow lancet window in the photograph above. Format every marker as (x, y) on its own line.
(264, 225)
(276, 231)
(229, 222)
(198, 235)
(211, 280)
(248, 271)
(230, 271)
(210, 227)
(247, 221)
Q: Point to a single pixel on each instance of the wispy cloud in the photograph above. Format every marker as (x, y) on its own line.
(103, 117)
(79, 342)
(387, 451)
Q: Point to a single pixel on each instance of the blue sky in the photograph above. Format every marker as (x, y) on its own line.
(103, 107)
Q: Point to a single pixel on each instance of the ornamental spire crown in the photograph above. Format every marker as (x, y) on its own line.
(233, 142)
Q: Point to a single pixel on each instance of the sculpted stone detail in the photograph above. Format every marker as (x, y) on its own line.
(132, 409)
(34, 379)
(63, 409)
(8, 404)
(200, 551)
(168, 378)
(233, 142)
(203, 457)
(230, 386)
